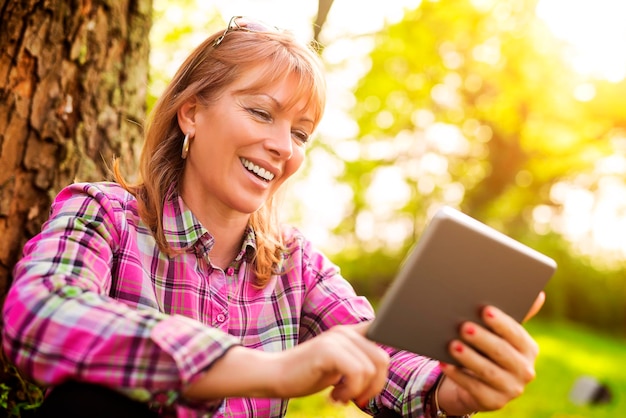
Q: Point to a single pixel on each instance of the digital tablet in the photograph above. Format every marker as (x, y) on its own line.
(457, 266)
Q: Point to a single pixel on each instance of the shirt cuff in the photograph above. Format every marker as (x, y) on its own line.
(429, 391)
(194, 347)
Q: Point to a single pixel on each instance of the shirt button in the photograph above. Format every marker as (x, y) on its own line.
(230, 271)
(221, 318)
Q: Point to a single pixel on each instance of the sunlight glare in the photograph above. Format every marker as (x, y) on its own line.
(448, 139)
(596, 31)
(585, 92)
(388, 191)
(592, 217)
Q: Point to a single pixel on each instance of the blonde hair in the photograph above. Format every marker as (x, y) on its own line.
(205, 74)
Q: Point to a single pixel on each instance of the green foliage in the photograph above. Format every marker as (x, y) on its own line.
(19, 398)
(581, 290)
(483, 73)
(369, 275)
(177, 28)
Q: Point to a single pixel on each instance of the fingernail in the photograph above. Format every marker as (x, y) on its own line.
(458, 347)
(489, 313)
(443, 365)
(470, 330)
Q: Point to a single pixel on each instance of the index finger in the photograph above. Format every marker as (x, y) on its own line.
(361, 327)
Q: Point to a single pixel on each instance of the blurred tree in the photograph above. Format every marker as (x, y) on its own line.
(476, 108)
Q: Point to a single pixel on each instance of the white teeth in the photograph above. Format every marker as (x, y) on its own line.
(259, 171)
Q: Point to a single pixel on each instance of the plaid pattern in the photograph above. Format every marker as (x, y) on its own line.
(94, 299)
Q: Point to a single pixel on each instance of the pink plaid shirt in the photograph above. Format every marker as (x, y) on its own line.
(94, 299)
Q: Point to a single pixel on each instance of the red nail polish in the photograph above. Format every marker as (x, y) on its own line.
(458, 347)
(489, 313)
(443, 365)
(470, 330)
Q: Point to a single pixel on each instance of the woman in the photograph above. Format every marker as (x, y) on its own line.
(182, 292)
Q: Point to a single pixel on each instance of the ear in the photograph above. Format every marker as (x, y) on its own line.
(187, 116)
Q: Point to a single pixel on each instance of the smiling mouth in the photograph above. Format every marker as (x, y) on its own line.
(260, 172)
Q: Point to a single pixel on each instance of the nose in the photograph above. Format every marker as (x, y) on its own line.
(280, 143)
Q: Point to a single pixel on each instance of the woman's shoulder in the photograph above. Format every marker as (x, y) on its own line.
(98, 190)
(107, 196)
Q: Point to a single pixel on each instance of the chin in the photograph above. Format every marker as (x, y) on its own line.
(249, 208)
(250, 202)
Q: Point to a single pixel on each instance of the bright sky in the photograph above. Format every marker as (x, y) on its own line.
(597, 31)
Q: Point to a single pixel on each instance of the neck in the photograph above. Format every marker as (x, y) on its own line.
(225, 224)
(228, 237)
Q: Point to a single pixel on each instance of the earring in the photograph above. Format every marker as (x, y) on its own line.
(183, 154)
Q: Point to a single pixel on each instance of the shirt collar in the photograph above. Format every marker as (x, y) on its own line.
(183, 231)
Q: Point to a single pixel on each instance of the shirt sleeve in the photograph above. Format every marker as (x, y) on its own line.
(331, 300)
(60, 323)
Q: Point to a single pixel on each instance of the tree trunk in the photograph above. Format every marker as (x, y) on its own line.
(323, 7)
(73, 79)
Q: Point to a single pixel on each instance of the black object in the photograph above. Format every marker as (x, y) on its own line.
(387, 413)
(83, 400)
(588, 390)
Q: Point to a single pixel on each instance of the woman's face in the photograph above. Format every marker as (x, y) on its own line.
(245, 145)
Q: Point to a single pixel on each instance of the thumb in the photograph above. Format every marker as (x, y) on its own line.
(541, 298)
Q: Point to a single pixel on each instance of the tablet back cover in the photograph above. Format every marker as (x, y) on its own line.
(458, 266)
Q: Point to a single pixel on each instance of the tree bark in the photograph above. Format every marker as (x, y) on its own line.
(73, 80)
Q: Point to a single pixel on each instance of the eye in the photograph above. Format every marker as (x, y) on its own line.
(260, 114)
(301, 136)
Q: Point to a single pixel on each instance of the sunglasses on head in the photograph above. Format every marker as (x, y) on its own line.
(241, 23)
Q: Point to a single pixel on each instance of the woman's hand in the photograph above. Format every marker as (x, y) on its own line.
(341, 357)
(489, 381)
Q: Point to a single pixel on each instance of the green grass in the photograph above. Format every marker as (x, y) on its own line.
(567, 353)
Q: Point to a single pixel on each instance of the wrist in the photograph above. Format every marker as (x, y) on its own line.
(437, 410)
